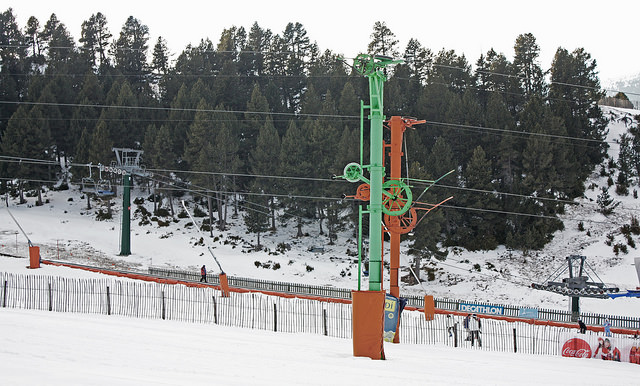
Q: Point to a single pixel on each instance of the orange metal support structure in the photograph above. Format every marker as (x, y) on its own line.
(398, 125)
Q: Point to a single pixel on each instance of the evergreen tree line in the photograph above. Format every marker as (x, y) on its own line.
(224, 117)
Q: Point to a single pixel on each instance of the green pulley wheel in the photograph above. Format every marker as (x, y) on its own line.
(396, 198)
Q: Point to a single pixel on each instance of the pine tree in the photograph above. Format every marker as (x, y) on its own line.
(481, 228)
(606, 204)
(13, 72)
(25, 137)
(255, 120)
(264, 161)
(257, 218)
(573, 96)
(101, 145)
(32, 36)
(199, 155)
(453, 70)
(383, 41)
(160, 66)
(226, 160)
(527, 67)
(348, 104)
(294, 162)
(428, 233)
(130, 53)
(95, 39)
(625, 169)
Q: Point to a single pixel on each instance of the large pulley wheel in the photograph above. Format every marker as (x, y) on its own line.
(396, 198)
(352, 172)
(402, 224)
(363, 193)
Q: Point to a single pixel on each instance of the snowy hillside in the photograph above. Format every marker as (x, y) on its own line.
(65, 230)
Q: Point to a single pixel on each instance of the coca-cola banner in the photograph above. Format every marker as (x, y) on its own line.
(600, 347)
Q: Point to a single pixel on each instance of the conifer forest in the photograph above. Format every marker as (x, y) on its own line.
(259, 121)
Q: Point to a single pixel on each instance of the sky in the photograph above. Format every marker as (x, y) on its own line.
(468, 27)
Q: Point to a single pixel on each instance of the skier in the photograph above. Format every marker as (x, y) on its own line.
(607, 327)
(203, 274)
(475, 326)
(465, 324)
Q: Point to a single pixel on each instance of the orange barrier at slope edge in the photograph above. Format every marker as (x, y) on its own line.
(224, 285)
(429, 307)
(34, 257)
(368, 323)
(625, 331)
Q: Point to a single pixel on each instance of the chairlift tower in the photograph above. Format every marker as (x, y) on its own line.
(580, 283)
(128, 161)
(392, 198)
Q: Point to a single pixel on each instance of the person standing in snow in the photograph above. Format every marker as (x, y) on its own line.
(450, 325)
(607, 327)
(475, 326)
(203, 274)
(582, 326)
(465, 324)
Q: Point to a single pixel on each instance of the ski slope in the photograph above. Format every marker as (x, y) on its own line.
(51, 348)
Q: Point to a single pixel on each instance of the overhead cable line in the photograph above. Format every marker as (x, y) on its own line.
(435, 123)
(329, 180)
(339, 199)
(178, 109)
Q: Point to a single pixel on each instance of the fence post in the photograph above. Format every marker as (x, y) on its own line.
(515, 345)
(215, 310)
(324, 320)
(275, 318)
(108, 302)
(163, 309)
(4, 295)
(50, 299)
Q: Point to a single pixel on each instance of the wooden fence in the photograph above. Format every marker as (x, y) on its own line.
(257, 311)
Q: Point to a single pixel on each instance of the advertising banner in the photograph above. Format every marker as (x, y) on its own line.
(599, 347)
(528, 313)
(392, 309)
(480, 309)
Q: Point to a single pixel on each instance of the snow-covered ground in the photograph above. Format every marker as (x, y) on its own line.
(51, 348)
(65, 230)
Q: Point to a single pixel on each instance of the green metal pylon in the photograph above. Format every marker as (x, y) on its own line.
(125, 231)
(372, 67)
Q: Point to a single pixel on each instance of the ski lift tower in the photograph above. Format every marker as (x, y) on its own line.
(128, 161)
(580, 283)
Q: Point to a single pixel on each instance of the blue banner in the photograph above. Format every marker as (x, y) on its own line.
(392, 309)
(480, 309)
(528, 313)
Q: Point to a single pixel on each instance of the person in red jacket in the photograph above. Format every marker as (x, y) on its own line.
(203, 274)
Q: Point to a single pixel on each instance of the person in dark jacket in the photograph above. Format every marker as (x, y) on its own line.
(203, 274)
(582, 326)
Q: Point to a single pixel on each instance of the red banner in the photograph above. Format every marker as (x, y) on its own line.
(619, 349)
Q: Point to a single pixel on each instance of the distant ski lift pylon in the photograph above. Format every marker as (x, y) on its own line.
(130, 161)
